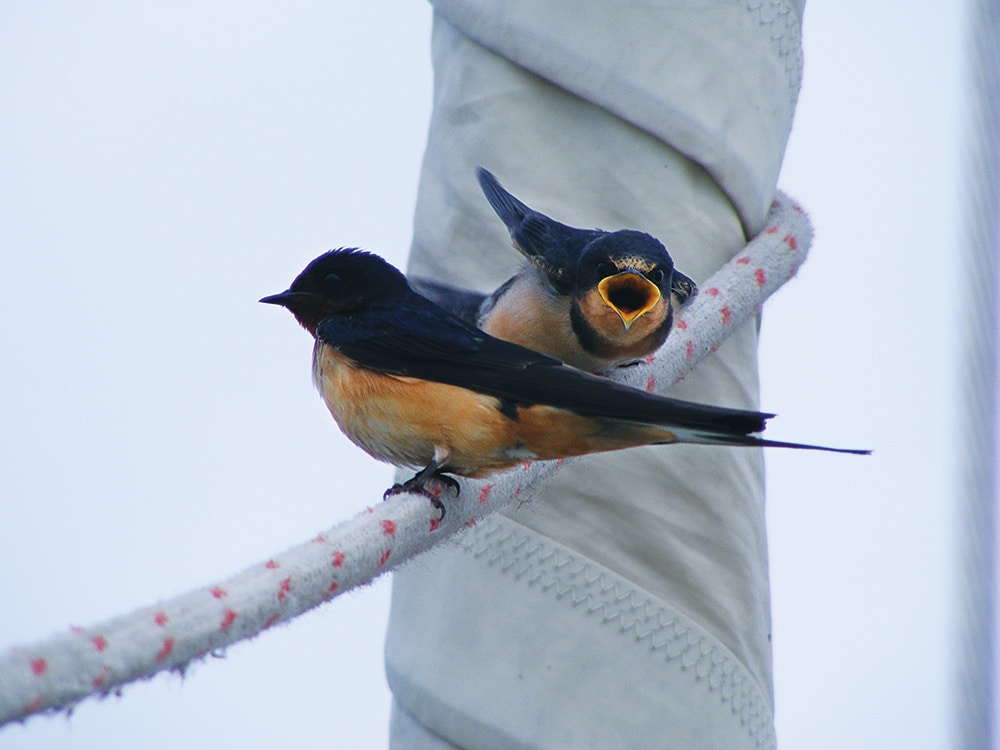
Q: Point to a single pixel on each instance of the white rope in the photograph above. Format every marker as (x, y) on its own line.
(57, 673)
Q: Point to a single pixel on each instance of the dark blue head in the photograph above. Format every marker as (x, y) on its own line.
(625, 250)
(340, 282)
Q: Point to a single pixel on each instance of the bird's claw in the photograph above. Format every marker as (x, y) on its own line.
(431, 486)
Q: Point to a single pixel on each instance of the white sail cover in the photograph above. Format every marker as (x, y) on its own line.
(628, 606)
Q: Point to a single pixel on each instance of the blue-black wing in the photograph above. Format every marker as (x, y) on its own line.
(464, 303)
(553, 247)
(683, 287)
(419, 340)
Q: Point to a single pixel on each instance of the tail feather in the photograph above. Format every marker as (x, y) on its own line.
(751, 440)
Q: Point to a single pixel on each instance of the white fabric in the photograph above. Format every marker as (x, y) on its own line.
(406, 731)
(716, 79)
(486, 648)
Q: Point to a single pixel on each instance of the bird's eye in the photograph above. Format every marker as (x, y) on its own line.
(603, 269)
(656, 275)
(332, 279)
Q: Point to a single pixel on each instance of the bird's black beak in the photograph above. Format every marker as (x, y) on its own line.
(307, 308)
(630, 294)
(284, 298)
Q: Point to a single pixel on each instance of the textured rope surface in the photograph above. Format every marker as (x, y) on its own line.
(59, 672)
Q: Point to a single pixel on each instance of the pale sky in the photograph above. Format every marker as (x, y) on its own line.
(162, 168)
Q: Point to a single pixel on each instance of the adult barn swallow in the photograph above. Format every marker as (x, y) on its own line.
(416, 386)
(591, 298)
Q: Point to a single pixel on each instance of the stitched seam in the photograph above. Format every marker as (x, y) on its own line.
(580, 583)
(781, 22)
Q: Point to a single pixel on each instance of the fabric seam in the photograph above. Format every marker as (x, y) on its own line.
(534, 561)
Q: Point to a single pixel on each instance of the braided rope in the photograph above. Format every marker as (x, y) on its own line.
(59, 672)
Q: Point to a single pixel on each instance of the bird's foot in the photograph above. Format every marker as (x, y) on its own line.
(432, 486)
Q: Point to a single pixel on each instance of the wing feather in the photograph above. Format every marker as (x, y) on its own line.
(428, 343)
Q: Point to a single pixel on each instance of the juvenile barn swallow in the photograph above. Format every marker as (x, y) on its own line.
(594, 299)
(415, 386)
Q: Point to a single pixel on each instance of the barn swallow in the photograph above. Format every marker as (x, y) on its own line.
(415, 386)
(594, 299)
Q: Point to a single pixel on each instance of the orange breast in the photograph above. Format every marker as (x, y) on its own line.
(530, 316)
(402, 420)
